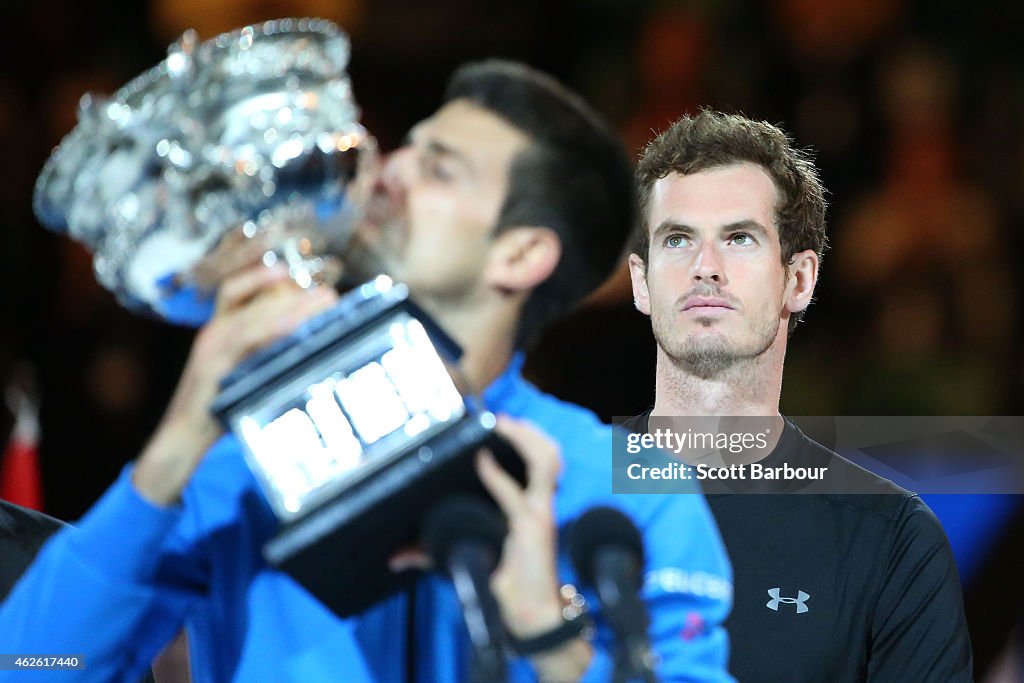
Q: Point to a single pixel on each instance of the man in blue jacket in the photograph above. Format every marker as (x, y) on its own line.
(503, 210)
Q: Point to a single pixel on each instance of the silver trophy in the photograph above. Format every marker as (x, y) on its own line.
(240, 148)
(247, 148)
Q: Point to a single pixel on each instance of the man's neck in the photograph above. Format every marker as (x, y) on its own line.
(748, 387)
(486, 336)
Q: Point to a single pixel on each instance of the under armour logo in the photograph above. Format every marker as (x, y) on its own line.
(800, 600)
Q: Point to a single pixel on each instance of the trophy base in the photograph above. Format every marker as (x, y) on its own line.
(340, 552)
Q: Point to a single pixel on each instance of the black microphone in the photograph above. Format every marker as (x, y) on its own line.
(608, 554)
(464, 537)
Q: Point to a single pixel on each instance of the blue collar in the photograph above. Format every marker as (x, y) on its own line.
(503, 391)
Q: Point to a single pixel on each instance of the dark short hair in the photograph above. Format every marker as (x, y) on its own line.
(574, 178)
(713, 139)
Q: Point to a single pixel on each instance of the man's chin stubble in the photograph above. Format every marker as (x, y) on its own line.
(711, 357)
(707, 361)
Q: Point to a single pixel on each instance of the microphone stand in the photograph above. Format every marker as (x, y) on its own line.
(469, 573)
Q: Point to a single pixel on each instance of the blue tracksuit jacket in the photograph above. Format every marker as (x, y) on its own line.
(121, 584)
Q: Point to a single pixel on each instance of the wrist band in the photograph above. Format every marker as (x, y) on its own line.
(561, 634)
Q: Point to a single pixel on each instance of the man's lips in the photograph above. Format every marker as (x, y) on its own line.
(706, 304)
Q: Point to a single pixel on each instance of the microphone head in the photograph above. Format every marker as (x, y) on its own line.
(603, 528)
(458, 519)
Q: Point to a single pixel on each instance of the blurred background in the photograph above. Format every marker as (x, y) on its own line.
(914, 109)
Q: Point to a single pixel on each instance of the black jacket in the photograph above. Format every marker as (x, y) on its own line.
(838, 587)
(22, 534)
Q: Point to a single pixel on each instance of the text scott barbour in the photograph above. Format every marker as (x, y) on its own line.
(746, 471)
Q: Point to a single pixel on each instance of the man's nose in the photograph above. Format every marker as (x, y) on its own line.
(394, 173)
(709, 265)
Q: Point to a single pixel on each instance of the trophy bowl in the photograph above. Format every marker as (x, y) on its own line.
(249, 140)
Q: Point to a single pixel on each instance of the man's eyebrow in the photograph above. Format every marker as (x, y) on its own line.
(668, 226)
(437, 148)
(746, 225)
(440, 149)
(671, 226)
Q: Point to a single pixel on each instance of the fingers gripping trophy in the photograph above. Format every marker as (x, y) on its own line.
(248, 148)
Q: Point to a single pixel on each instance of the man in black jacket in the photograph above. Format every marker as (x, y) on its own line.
(833, 586)
(22, 534)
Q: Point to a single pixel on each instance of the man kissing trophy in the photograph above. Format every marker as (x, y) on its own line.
(248, 148)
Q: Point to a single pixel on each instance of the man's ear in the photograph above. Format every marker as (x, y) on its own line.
(522, 258)
(638, 277)
(803, 276)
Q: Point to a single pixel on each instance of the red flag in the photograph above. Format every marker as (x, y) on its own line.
(20, 480)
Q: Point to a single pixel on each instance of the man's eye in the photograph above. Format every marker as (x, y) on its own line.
(436, 169)
(440, 172)
(741, 239)
(675, 241)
